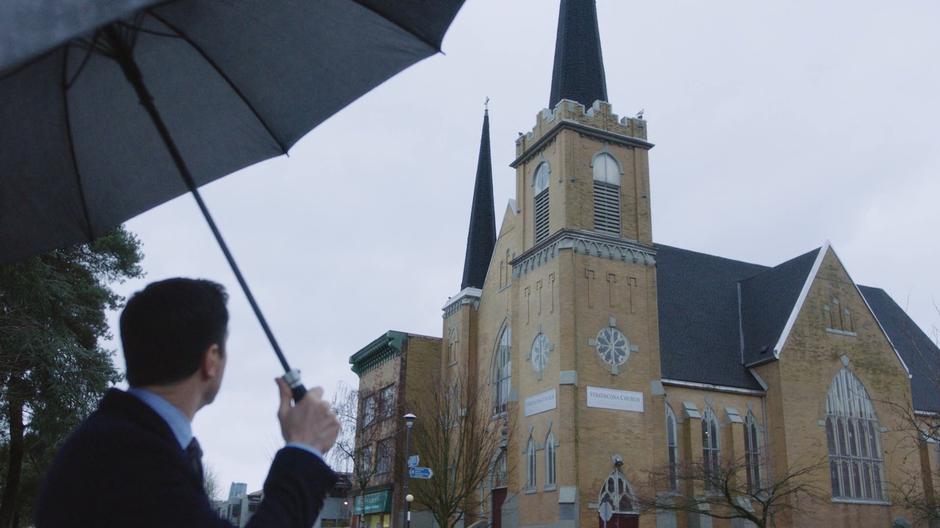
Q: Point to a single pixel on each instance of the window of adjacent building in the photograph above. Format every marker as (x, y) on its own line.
(531, 466)
(540, 191)
(388, 401)
(383, 462)
(365, 460)
(550, 460)
(752, 453)
(672, 448)
(502, 371)
(606, 194)
(839, 318)
(368, 411)
(711, 449)
(853, 436)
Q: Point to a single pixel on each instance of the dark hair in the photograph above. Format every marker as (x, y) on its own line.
(167, 327)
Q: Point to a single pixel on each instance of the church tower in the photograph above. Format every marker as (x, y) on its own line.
(557, 321)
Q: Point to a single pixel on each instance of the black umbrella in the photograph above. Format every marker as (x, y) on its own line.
(108, 109)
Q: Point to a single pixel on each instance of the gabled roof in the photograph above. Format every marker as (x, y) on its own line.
(767, 301)
(919, 352)
(579, 64)
(481, 236)
(704, 338)
(699, 334)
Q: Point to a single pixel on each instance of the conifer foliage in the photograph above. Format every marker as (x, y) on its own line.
(53, 369)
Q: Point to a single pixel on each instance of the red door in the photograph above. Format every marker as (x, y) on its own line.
(499, 495)
(620, 520)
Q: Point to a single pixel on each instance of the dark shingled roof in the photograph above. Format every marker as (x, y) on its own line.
(699, 336)
(481, 237)
(579, 65)
(700, 326)
(767, 299)
(918, 351)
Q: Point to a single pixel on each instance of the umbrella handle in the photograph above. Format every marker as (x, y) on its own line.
(297, 389)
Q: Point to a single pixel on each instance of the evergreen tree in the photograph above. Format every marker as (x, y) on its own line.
(53, 369)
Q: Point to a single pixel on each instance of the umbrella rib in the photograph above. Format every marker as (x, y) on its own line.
(225, 77)
(71, 142)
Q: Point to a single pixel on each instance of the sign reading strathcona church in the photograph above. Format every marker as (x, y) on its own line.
(618, 400)
(541, 402)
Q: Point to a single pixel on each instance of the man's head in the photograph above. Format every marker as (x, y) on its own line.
(174, 330)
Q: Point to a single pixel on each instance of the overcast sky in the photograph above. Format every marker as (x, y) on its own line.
(777, 126)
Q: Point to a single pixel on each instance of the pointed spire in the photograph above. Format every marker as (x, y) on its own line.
(579, 65)
(481, 237)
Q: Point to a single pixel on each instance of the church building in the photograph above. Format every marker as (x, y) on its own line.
(618, 358)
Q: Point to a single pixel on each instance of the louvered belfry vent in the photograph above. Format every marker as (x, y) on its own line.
(606, 208)
(541, 216)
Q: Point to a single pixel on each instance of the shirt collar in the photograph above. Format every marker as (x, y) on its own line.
(173, 417)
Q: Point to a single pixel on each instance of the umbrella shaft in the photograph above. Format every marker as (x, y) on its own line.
(124, 56)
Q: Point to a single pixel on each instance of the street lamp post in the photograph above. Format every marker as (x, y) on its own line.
(408, 498)
(409, 423)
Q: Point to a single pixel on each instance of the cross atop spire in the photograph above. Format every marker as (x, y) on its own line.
(579, 65)
(481, 237)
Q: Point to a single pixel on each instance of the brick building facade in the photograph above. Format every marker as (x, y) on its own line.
(618, 357)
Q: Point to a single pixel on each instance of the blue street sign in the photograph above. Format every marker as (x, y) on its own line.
(413, 461)
(420, 473)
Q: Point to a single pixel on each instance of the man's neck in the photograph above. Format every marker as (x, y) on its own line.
(180, 396)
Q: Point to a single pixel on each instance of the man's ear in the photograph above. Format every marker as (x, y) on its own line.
(212, 362)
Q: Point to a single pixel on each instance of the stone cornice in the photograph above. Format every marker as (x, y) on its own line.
(465, 296)
(583, 243)
(581, 129)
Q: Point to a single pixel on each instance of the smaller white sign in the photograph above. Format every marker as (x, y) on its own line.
(541, 402)
(618, 400)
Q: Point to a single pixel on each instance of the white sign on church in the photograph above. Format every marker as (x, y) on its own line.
(541, 402)
(618, 400)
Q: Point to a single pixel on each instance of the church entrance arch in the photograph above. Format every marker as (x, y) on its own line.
(616, 492)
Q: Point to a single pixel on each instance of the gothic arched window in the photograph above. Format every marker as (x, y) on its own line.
(616, 492)
(853, 436)
(606, 194)
(752, 453)
(711, 448)
(502, 370)
(550, 460)
(530, 468)
(672, 448)
(540, 192)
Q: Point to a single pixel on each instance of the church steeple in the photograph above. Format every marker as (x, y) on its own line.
(579, 65)
(481, 237)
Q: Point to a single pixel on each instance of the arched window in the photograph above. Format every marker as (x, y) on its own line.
(606, 194)
(752, 453)
(616, 491)
(550, 460)
(540, 192)
(711, 448)
(530, 468)
(502, 370)
(672, 448)
(854, 439)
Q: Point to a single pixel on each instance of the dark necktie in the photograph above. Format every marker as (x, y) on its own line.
(194, 453)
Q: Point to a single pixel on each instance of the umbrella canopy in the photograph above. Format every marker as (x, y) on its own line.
(109, 109)
(235, 83)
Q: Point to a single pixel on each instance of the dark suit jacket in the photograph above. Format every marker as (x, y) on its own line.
(124, 468)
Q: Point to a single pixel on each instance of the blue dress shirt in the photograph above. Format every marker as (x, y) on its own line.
(180, 425)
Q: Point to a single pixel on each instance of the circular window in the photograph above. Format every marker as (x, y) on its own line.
(612, 346)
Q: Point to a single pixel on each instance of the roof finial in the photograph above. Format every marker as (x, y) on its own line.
(486, 105)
